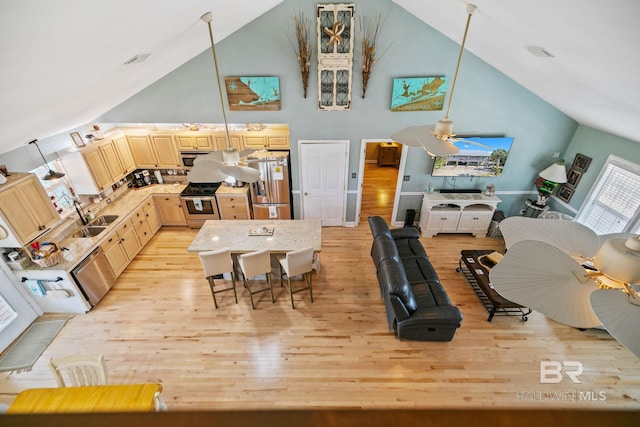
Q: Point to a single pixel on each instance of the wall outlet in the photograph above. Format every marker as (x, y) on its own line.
(406, 178)
(353, 175)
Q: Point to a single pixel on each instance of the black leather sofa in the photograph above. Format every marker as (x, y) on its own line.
(417, 305)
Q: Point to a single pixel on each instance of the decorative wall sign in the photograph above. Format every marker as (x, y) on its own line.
(253, 93)
(418, 93)
(335, 55)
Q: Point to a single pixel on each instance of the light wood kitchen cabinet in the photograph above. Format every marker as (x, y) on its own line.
(254, 141)
(169, 208)
(124, 154)
(142, 151)
(221, 141)
(265, 141)
(27, 208)
(273, 137)
(129, 239)
(278, 141)
(194, 141)
(143, 231)
(98, 168)
(151, 213)
(166, 151)
(115, 253)
(154, 151)
(95, 168)
(233, 203)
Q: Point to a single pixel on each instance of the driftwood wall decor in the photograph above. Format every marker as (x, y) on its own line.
(335, 55)
(303, 49)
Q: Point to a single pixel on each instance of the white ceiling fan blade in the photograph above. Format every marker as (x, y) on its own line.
(215, 156)
(437, 146)
(572, 237)
(423, 137)
(409, 135)
(619, 316)
(206, 171)
(245, 153)
(241, 173)
(544, 278)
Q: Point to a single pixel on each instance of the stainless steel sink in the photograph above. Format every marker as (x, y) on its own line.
(104, 220)
(89, 231)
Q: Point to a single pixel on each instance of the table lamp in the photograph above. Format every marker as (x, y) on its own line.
(551, 177)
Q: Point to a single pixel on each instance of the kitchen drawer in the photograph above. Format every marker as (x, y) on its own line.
(110, 241)
(234, 207)
(123, 228)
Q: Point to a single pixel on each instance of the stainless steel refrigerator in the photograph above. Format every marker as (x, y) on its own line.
(270, 195)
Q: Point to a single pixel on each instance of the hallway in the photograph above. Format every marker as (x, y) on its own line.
(378, 191)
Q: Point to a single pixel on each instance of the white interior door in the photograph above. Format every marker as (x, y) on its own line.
(323, 169)
(13, 302)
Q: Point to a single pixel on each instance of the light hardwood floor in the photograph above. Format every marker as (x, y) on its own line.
(159, 324)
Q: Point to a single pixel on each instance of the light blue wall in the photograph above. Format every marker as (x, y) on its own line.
(486, 101)
(598, 145)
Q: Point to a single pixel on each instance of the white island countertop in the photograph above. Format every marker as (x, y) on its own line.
(240, 235)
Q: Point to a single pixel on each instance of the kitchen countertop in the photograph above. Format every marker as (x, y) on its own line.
(224, 189)
(79, 248)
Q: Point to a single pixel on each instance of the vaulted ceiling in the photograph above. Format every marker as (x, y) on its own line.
(62, 62)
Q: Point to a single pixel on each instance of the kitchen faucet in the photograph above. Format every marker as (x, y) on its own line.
(80, 211)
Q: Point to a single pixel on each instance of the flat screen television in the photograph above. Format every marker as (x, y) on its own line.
(486, 157)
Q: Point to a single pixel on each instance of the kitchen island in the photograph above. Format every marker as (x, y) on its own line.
(242, 236)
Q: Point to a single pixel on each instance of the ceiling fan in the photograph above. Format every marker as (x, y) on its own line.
(219, 166)
(438, 139)
(567, 272)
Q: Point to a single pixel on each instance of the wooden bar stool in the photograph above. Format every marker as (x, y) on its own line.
(297, 263)
(254, 264)
(215, 263)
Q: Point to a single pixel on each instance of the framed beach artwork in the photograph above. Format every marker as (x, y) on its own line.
(253, 93)
(418, 93)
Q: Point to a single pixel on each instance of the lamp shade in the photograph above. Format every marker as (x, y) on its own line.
(555, 173)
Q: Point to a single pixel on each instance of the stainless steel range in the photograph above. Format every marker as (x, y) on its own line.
(199, 203)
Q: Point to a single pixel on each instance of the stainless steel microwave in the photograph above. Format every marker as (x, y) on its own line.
(187, 158)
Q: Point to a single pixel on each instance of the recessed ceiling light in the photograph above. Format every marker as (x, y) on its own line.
(138, 58)
(540, 52)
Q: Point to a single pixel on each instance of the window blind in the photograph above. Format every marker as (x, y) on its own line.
(614, 202)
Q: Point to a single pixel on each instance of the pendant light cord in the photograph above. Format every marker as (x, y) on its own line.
(470, 9)
(208, 18)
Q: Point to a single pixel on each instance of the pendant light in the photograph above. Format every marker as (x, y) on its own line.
(437, 140)
(51, 174)
(219, 165)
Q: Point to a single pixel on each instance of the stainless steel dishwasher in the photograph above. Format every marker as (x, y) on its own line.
(94, 276)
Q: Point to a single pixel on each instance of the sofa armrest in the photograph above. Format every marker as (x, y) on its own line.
(449, 315)
(399, 309)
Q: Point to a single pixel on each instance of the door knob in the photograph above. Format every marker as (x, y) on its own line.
(306, 194)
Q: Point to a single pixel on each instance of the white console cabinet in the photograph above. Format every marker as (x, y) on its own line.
(456, 213)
